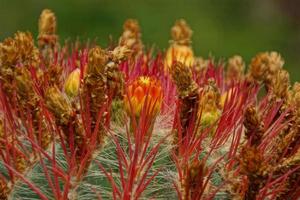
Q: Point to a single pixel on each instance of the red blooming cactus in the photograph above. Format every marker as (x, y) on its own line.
(125, 123)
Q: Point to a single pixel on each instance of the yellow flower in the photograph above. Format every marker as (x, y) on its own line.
(72, 83)
(180, 49)
(144, 91)
(180, 53)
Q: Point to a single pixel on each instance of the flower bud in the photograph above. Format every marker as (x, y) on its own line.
(180, 53)
(281, 84)
(131, 37)
(9, 53)
(47, 29)
(72, 83)
(259, 66)
(235, 68)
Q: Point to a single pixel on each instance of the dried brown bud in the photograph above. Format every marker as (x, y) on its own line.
(281, 84)
(296, 87)
(251, 161)
(96, 72)
(8, 52)
(95, 84)
(235, 68)
(275, 62)
(97, 60)
(132, 26)
(210, 98)
(254, 166)
(47, 22)
(47, 29)
(209, 104)
(115, 81)
(120, 53)
(62, 110)
(28, 53)
(265, 65)
(25, 90)
(182, 75)
(58, 104)
(253, 125)
(251, 119)
(21, 49)
(131, 36)
(259, 66)
(181, 32)
(25, 44)
(188, 93)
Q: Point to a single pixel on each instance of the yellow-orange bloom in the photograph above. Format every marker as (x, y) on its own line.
(180, 53)
(144, 91)
(180, 49)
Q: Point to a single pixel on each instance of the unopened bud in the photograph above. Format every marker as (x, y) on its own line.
(72, 83)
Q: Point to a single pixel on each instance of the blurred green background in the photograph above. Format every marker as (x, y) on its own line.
(221, 27)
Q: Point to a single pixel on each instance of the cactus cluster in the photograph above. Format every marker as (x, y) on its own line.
(80, 121)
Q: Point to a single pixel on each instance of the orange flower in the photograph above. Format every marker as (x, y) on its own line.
(144, 91)
(179, 53)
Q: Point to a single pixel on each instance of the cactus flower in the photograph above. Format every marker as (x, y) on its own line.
(180, 49)
(72, 83)
(180, 53)
(144, 91)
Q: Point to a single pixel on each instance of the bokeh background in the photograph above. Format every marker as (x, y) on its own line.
(221, 27)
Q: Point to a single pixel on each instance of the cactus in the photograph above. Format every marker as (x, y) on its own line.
(123, 123)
